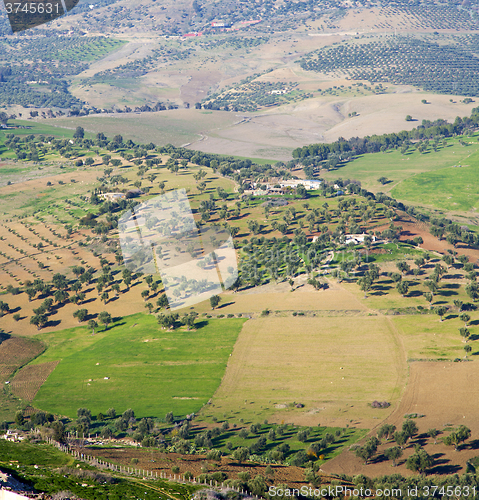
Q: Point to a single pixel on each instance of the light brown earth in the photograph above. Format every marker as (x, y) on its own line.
(164, 462)
(447, 395)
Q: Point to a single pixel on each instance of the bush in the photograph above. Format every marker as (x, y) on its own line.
(175, 469)
(214, 455)
(380, 404)
(299, 458)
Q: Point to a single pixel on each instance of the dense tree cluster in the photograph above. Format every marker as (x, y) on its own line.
(375, 143)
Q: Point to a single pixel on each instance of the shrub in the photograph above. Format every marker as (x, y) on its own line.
(380, 404)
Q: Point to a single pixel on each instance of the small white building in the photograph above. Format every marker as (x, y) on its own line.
(14, 437)
(112, 196)
(357, 239)
(309, 184)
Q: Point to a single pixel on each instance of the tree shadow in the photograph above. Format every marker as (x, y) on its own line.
(446, 293)
(201, 324)
(91, 299)
(52, 323)
(225, 305)
(450, 316)
(4, 336)
(445, 468)
(452, 277)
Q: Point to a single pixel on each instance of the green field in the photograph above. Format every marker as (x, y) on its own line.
(177, 127)
(151, 370)
(33, 127)
(401, 169)
(449, 188)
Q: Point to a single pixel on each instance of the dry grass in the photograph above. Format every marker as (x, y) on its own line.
(279, 298)
(322, 363)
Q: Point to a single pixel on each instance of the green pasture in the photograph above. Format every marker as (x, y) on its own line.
(149, 369)
(399, 167)
(426, 337)
(450, 188)
(39, 128)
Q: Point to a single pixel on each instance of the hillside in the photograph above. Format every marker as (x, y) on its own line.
(279, 82)
(409, 287)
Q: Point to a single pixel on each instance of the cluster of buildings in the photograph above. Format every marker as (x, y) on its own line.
(12, 436)
(280, 92)
(285, 187)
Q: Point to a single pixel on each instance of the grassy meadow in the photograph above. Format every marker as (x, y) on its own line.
(151, 370)
(451, 188)
(401, 170)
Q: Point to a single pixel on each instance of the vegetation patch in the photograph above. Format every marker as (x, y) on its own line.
(136, 363)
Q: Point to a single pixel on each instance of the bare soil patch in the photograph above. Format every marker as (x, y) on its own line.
(157, 462)
(413, 228)
(447, 395)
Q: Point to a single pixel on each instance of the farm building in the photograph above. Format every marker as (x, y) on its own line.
(357, 239)
(280, 92)
(12, 436)
(112, 196)
(309, 184)
(284, 187)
